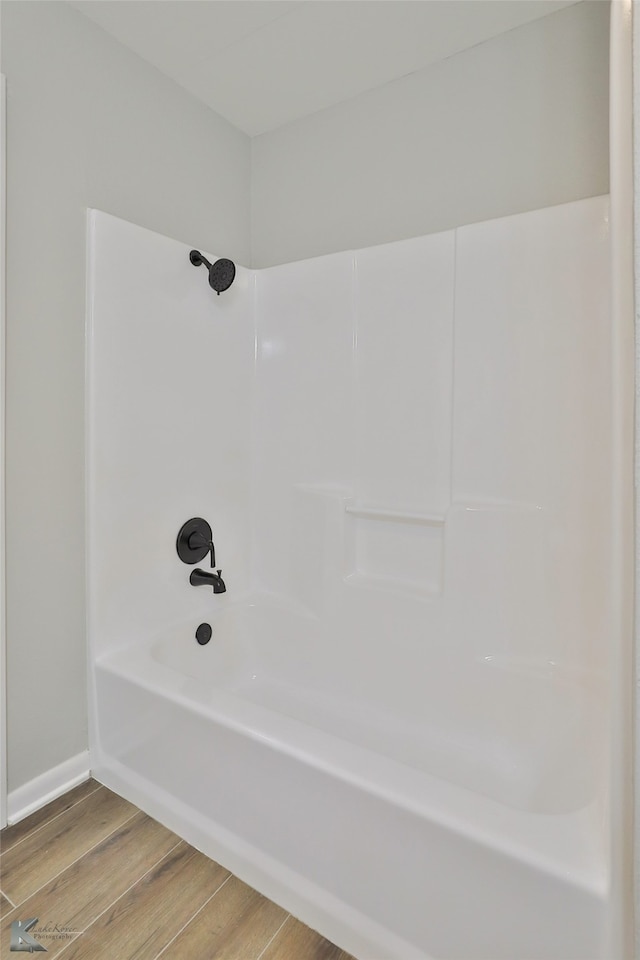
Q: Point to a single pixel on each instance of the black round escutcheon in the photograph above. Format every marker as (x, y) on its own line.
(197, 259)
(194, 540)
(203, 634)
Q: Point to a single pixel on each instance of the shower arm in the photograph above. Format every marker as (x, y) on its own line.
(197, 259)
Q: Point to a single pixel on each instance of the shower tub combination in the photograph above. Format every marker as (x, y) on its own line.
(399, 728)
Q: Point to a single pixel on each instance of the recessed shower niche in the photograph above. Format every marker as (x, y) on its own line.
(395, 550)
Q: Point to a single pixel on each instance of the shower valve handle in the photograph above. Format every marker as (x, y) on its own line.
(198, 540)
(195, 541)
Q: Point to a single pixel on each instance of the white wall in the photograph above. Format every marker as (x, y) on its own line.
(513, 124)
(407, 378)
(89, 125)
(170, 389)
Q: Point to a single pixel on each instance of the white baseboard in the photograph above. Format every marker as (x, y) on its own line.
(49, 785)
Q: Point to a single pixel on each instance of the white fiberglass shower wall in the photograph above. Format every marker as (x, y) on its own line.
(404, 455)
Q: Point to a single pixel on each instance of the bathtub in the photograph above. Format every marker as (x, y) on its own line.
(445, 819)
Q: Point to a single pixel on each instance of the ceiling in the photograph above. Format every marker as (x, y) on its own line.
(264, 63)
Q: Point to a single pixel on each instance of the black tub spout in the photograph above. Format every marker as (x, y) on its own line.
(208, 578)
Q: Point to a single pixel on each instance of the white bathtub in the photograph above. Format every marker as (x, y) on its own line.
(448, 819)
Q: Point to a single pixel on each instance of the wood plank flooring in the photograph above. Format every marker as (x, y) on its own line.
(107, 882)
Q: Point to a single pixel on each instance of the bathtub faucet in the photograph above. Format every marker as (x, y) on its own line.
(194, 542)
(208, 578)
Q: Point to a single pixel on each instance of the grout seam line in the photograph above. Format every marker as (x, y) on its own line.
(452, 411)
(8, 899)
(270, 941)
(185, 925)
(51, 819)
(83, 854)
(124, 892)
(452, 414)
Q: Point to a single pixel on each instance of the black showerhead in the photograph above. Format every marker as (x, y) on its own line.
(221, 273)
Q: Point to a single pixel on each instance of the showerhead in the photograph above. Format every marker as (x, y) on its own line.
(221, 273)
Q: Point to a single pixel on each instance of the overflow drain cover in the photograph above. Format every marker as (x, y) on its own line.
(203, 633)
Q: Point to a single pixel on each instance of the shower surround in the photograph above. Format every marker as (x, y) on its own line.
(400, 727)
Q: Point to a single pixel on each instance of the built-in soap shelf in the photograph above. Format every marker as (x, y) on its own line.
(401, 588)
(369, 512)
(395, 549)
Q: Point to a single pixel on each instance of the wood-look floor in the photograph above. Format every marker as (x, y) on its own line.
(106, 882)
